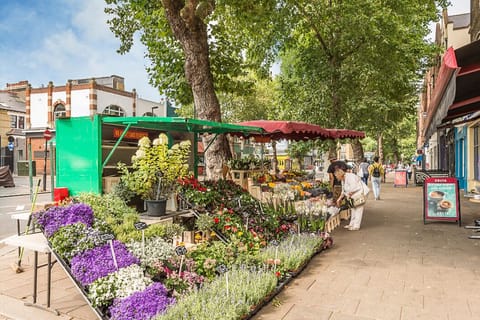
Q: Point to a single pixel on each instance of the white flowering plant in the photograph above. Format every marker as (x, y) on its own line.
(156, 168)
(119, 284)
(154, 250)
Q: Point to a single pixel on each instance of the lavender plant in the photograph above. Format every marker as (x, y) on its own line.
(53, 218)
(98, 262)
(246, 288)
(142, 305)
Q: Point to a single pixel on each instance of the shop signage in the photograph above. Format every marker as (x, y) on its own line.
(441, 200)
(131, 134)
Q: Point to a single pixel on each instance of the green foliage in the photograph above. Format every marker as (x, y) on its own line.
(119, 219)
(155, 167)
(215, 301)
(73, 239)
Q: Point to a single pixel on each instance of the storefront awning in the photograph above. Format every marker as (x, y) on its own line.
(467, 95)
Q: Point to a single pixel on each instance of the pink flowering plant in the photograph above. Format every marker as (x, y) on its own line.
(179, 281)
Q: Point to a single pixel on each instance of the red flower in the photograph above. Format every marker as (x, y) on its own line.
(227, 227)
(216, 220)
(278, 274)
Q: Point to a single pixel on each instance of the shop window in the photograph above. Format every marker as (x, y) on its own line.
(113, 110)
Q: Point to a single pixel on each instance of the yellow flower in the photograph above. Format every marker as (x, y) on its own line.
(239, 233)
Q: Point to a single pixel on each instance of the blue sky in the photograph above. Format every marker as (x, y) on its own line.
(57, 40)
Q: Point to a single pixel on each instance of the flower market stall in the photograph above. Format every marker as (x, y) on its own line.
(130, 270)
(236, 248)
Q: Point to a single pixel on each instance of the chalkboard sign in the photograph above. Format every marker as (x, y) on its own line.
(107, 237)
(441, 199)
(222, 268)
(140, 225)
(180, 250)
(400, 178)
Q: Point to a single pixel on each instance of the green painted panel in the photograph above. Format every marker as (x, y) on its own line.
(78, 154)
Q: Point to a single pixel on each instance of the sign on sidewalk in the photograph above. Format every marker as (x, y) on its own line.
(441, 200)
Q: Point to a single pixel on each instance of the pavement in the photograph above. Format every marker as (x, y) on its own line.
(394, 267)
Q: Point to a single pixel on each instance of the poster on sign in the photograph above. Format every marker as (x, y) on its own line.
(400, 179)
(441, 200)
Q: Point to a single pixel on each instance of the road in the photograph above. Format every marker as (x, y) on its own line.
(15, 204)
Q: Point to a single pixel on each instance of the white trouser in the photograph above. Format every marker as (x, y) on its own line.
(356, 217)
(376, 186)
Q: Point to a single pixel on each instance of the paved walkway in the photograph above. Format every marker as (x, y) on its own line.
(395, 267)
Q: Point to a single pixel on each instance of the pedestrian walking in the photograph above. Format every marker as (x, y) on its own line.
(363, 167)
(351, 185)
(409, 171)
(376, 172)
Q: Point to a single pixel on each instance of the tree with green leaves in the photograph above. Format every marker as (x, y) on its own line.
(198, 48)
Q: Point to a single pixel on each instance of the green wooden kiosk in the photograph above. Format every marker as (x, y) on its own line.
(89, 148)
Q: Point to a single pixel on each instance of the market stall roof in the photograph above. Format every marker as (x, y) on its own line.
(346, 133)
(291, 130)
(182, 125)
(296, 130)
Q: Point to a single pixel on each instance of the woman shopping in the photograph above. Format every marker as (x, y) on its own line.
(352, 188)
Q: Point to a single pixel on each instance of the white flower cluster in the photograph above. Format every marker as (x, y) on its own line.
(156, 249)
(316, 208)
(284, 191)
(119, 284)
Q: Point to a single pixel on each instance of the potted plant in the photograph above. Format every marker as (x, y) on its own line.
(155, 170)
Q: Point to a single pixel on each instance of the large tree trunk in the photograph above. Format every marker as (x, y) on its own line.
(191, 32)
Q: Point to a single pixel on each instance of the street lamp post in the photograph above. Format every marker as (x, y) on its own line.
(153, 108)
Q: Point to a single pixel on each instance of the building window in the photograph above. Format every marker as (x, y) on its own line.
(113, 110)
(17, 122)
(13, 121)
(59, 111)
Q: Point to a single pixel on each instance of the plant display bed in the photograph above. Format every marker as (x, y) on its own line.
(127, 269)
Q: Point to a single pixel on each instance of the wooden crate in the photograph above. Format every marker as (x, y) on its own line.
(108, 183)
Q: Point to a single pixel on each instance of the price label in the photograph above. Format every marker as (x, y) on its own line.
(222, 269)
(275, 243)
(140, 225)
(180, 250)
(107, 236)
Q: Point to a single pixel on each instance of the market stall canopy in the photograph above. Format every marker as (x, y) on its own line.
(290, 130)
(296, 130)
(180, 124)
(346, 134)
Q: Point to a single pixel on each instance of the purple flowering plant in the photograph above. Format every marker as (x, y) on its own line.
(142, 305)
(53, 218)
(98, 262)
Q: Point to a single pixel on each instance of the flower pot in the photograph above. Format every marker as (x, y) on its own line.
(137, 203)
(156, 208)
